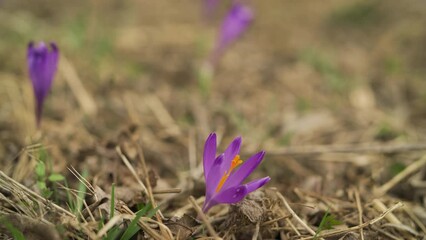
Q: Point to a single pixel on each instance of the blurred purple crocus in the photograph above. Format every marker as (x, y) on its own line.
(42, 66)
(234, 25)
(224, 183)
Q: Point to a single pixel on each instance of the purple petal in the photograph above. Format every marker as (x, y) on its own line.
(214, 176)
(231, 151)
(37, 65)
(207, 205)
(237, 177)
(258, 183)
(52, 64)
(235, 23)
(209, 153)
(42, 66)
(231, 195)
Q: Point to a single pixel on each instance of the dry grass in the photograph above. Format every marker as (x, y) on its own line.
(332, 91)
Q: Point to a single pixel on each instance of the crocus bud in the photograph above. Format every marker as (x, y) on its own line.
(42, 66)
(234, 25)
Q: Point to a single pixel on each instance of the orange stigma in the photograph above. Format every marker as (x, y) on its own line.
(235, 163)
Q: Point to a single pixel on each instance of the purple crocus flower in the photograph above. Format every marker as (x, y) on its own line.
(234, 25)
(224, 183)
(42, 65)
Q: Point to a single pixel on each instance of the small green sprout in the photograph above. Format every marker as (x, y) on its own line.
(146, 211)
(16, 233)
(327, 223)
(44, 174)
(112, 207)
(75, 203)
(396, 168)
(205, 79)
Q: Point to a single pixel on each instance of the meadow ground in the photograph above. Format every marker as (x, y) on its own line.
(333, 91)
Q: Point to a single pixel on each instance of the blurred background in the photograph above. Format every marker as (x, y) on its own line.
(305, 73)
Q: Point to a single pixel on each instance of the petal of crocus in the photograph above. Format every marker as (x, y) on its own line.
(231, 195)
(37, 65)
(42, 66)
(235, 23)
(214, 176)
(209, 153)
(51, 64)
(231, 151)
(237, 177)
(207, 205)
(258, 183)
